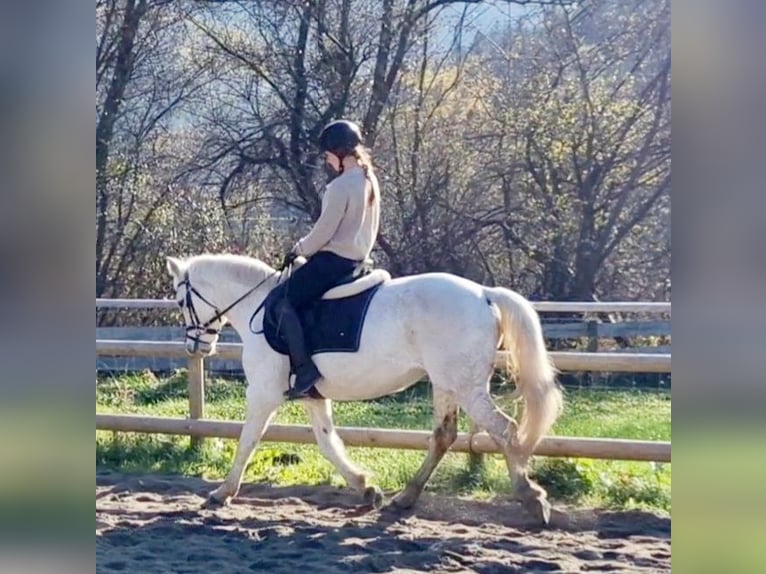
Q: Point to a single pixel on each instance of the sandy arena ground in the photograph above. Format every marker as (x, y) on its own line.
(152, 523)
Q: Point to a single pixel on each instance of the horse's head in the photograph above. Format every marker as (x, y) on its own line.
(202, 318)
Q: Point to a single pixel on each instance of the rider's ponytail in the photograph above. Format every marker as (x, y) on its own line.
(365, 161)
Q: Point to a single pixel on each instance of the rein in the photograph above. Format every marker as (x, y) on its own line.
(199, 326)
(288, 269)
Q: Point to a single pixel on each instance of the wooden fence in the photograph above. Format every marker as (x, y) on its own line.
(590, 329)
(473, 442)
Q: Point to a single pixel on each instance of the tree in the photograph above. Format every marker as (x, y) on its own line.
(590, 126)
(537, 157)
(145, 73)
(295, 66)
(434, 175)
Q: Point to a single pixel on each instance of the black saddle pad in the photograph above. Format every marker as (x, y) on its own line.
(330, 325)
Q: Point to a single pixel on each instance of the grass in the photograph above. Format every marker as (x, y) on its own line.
(634, 414)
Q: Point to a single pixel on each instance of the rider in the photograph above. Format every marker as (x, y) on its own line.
(341, 238)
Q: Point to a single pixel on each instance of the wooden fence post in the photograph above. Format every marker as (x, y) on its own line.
(475, 459)
(196, 388)
(594, 379)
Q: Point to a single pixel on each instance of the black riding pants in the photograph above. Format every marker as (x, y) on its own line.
(310, 281)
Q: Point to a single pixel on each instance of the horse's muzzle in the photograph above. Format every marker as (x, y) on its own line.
(195, 347)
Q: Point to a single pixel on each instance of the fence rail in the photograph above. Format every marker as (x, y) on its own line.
(541, 306)
(658, 451)
(564, 361)
(197, 426)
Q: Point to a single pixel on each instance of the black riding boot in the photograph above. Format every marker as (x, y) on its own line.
(306, 372)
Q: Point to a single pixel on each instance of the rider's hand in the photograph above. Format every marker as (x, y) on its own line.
(289, 258)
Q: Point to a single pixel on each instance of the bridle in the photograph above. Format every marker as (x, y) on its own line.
(198, 326)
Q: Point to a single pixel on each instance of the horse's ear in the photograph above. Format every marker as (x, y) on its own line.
(174, 266)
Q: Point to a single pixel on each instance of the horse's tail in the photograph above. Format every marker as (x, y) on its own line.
(522, 337)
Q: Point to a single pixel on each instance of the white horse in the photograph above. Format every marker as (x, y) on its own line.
(436, 324)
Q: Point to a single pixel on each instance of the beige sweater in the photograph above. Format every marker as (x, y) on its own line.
(348, 224)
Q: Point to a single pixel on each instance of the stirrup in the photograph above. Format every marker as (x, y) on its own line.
(295, 392)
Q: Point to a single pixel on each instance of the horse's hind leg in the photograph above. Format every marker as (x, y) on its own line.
(444, 434)
(479, 405)
(332, 447)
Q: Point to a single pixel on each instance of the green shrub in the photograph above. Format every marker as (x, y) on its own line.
(562, 478)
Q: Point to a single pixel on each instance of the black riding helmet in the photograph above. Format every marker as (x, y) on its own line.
(340, 137)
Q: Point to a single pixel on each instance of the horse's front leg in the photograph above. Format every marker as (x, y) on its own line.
(262, 402)
(332, 447)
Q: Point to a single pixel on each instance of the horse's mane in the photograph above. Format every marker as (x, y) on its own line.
(241, 268)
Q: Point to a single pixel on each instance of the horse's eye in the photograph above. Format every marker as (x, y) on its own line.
(180, 304)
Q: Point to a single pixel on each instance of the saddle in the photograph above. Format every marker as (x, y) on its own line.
(332, 324)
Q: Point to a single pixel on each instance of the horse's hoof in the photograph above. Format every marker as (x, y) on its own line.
(404, 500)
(216, 500)
(212, 503)
(539, 509)
(373, 496)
